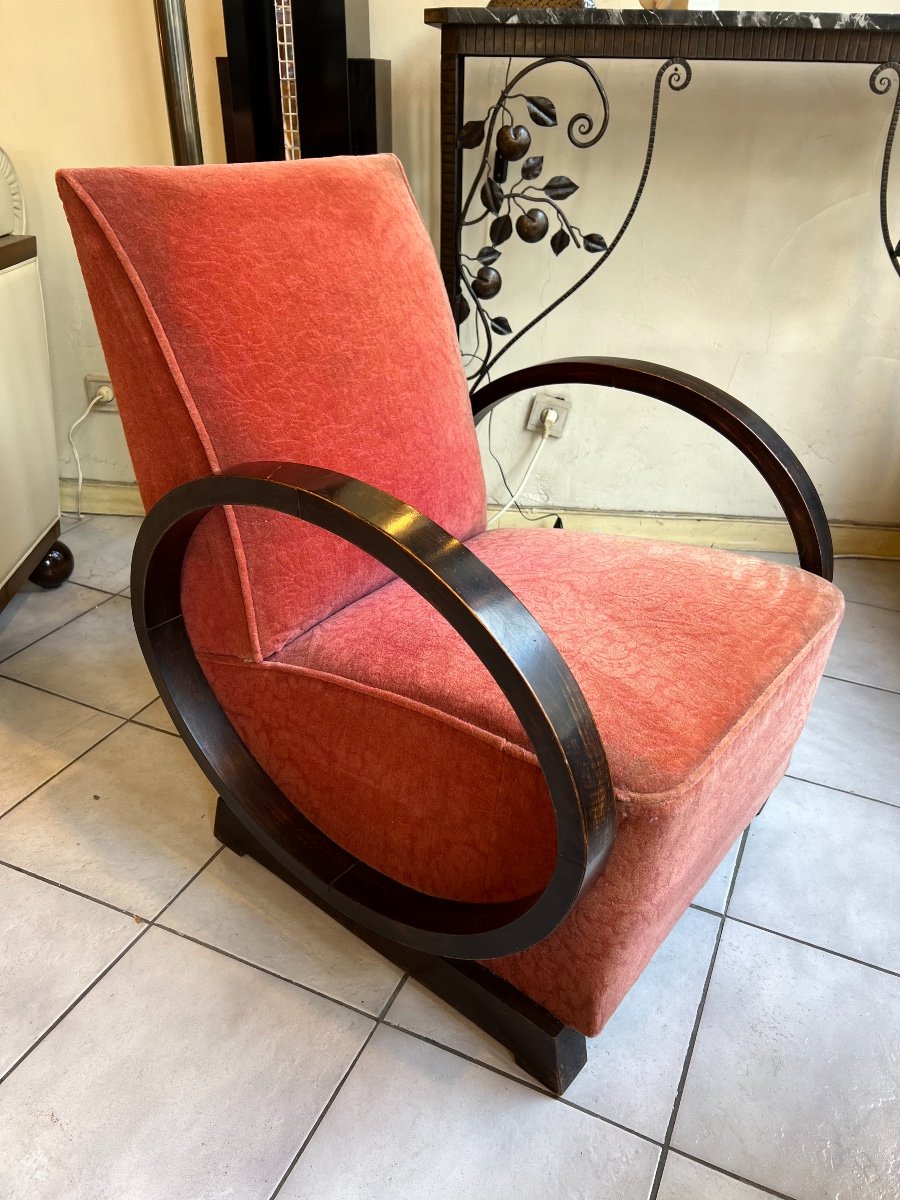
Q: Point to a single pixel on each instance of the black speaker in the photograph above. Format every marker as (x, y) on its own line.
(298, 80)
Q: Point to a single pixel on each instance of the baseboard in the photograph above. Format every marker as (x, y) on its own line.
(116, 499)
(692, 529)
(726, 533)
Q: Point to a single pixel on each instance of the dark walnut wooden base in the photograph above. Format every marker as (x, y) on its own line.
(549, 1051)
(49, 564)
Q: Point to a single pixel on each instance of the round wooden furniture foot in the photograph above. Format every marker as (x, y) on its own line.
(54, 568)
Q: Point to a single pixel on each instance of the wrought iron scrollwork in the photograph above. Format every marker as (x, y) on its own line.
(882, 84)
(539, 206)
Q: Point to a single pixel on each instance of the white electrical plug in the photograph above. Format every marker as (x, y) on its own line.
(549, 417)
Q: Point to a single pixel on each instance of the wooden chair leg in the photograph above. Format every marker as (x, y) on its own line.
(549, 1051)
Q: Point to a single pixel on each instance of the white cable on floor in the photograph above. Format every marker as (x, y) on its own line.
(101, 398)
(549, 417)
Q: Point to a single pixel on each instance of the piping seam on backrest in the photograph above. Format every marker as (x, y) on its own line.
(181, 385)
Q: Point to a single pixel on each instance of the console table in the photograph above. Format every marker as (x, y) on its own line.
(535, 199)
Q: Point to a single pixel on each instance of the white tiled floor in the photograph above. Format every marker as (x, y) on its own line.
(176, 1023)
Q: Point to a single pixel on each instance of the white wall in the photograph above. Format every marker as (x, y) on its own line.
(81, 85)
(755, 261)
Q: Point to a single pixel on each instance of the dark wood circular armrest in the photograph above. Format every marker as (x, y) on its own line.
(499, 629)
(753, 436)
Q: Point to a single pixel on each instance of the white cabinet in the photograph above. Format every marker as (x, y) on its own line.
(29, 487)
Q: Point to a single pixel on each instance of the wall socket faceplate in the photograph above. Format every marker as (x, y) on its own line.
(92, 385)
(543, 401)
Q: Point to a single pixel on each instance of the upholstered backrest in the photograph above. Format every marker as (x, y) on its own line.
(287, 311)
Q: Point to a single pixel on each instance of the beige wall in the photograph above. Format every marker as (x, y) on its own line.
(80, 85)
(755, 260)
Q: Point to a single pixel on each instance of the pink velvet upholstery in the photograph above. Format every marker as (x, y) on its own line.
(282, 312)
(698, 665)
(295, 312)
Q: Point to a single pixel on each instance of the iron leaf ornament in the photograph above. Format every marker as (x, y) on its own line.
(528, 209)
(560, 187)
(559, 241)
(471, 135)
(541, 110)
(500, 230)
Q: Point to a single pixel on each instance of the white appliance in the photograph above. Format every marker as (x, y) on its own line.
(29, 487)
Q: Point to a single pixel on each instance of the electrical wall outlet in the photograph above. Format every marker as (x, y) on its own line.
(92, 385)
(540, 404)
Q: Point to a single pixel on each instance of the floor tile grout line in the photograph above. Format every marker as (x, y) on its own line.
(873, 687)
(81, 995)
(146, 724)
(382, 1016)
(59, 696)
(246, 962)
(102, 975)
(841, 791)
(122, 722)
(196, 875)
(534, 1087)
(869, 604)
(530, 1084)
(676, 1104)
(760, 1187)
(108, 596)
(789, 937)
(323, 1114)
(692, 1040)
(381, 1019)
(156, 729)
(92, 587)
(65, 887)
(341, 1082)
(745, 837)
(132, 720)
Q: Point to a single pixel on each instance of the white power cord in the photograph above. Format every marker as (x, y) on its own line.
(549, 417)
(105, 395)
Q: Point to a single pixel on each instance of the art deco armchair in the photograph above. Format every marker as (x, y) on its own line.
(398, 709)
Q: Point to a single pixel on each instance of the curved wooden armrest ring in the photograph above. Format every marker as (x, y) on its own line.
(756, 439)
(498, 628)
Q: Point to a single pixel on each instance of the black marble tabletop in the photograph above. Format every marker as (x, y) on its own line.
(888, 22)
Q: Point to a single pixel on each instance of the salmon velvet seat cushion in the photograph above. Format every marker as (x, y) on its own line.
(699, 667)
(294, 312)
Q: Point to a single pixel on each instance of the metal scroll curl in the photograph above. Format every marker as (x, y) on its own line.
(881, 84)
(529, 207)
